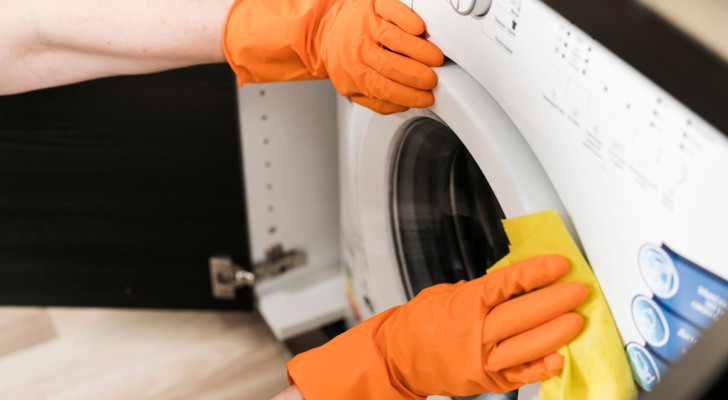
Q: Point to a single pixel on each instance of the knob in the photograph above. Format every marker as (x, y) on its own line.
(471, 7)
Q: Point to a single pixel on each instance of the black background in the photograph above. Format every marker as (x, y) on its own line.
(115, 192)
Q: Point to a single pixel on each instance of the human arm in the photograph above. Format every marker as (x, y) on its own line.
(370, 49)
(291, 393)
(52, 43)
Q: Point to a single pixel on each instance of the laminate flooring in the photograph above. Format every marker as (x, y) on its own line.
(109, 354)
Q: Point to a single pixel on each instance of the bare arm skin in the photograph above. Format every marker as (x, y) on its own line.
(292, 393)
(46, 43)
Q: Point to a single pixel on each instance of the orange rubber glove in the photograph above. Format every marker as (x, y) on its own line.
(370, 49)
(452, 340)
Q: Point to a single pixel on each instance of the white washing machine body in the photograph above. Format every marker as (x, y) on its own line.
(638, 178)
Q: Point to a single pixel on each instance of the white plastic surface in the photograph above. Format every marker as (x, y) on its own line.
(315, 302)
(290, 166)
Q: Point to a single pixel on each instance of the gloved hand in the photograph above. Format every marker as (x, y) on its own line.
(370, 49)
(452, 340)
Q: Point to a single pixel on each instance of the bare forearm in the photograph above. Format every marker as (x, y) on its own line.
(292, 393)
(65, 41)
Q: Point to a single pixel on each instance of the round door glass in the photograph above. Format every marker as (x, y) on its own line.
(446, 218)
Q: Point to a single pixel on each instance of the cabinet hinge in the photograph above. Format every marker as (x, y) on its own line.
(226, 276)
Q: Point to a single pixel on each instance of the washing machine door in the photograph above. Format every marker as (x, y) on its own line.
(433, 185)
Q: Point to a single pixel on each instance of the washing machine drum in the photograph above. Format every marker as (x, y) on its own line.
(446, 218)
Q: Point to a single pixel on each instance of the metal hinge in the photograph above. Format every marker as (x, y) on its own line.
(226, 276)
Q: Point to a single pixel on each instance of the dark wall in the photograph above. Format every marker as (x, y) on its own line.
(115, 192)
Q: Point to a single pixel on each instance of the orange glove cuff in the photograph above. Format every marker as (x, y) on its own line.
(263, 44)
(350, 366)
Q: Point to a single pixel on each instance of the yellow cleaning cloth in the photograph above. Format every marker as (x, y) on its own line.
(595, 364)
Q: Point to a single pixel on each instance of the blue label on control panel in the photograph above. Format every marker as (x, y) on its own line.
(684, 287)
(686, 299)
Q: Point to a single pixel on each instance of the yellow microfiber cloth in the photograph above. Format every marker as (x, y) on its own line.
(595, 364)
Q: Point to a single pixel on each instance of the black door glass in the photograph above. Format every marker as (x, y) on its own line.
(446, 218)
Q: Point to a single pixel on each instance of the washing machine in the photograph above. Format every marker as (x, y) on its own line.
(532, 113)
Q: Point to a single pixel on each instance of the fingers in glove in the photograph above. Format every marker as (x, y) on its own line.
(377, 105)
(411, 46)
(520, 277)
(532, 309)
(534, 343)
(535, 371)
(398, 13)
(398, 67)
(380, 87)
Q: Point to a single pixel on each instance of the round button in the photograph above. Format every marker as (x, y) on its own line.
(650, 321)
(468, 7)
(658, 271)
(643, 366)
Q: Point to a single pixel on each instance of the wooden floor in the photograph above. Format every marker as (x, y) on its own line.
(76, 354)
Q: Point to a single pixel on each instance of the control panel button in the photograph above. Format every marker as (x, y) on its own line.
(471, 7)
